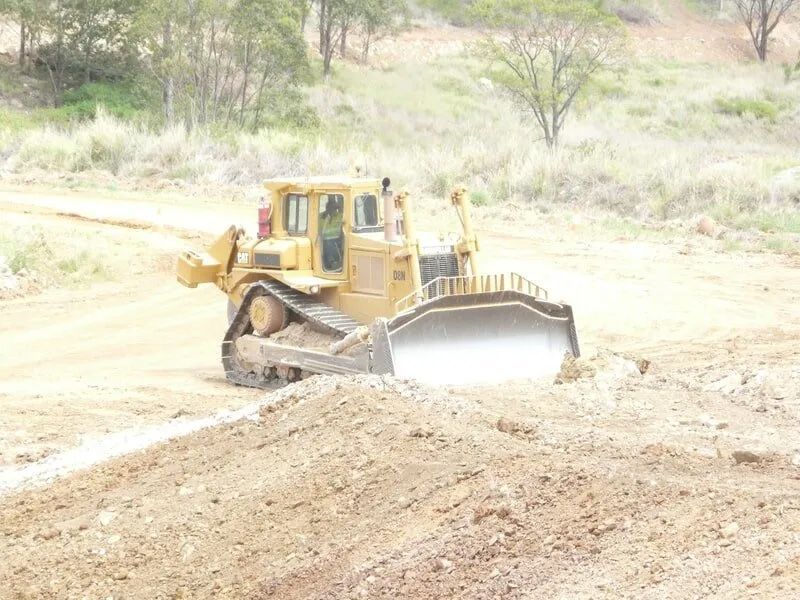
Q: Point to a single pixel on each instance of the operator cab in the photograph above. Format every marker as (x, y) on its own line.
(307, 221)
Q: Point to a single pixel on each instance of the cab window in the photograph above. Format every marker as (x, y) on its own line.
(365, 207)
(296, 214)
(331, 210)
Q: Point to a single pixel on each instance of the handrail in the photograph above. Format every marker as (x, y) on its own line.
(461, 285)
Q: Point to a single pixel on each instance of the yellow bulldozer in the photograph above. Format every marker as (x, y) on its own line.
(341, 257)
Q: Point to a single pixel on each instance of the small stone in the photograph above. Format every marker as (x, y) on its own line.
(513, 427)
(609, 525)
(187, 550)
(727, 385)
(730, 530)
(442, 564)
(403, 502)
(745, 456)
(709, 227)
(49, 534)
(120, 575)
(420, 432)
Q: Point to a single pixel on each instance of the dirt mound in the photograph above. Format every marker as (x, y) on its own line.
(371, 486)
(601, 363)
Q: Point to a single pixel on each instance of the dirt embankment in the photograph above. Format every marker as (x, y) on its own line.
(679, 481)
(370, 487)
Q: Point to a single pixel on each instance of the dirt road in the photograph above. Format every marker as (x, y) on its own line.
(600, 488)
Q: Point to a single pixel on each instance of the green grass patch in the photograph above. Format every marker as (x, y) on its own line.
(747, 107)
(118, 100)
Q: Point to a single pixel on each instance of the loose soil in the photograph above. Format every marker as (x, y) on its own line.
(679, 481)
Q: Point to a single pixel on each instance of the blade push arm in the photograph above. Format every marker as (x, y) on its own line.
(209, 267)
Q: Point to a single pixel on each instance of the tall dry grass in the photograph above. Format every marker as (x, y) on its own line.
(659, 141)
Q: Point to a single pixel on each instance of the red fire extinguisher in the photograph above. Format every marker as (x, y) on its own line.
(264, 214)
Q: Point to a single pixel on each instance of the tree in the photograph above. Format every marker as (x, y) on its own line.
(543, 52)
(377, 19)
(76, 40)
(333, 19)
(223, 61)
(370, 19)
(761, 17)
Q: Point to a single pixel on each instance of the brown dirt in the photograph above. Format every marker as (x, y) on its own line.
(372, 487)
(682, 481)
(303, 335)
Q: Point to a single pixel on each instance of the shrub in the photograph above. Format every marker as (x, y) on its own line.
(741, 107)
(124, 101)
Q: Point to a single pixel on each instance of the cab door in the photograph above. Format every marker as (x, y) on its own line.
(331, 259)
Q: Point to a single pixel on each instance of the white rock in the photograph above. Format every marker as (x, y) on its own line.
(187, 550)
(730, 530)
(727, 385)
(776, 388)
(106, 516)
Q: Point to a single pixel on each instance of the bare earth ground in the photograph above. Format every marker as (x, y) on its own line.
(682, 482)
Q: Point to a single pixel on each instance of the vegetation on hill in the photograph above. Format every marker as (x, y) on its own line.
(652, 140)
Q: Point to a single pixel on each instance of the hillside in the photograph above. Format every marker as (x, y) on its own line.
(689, 124)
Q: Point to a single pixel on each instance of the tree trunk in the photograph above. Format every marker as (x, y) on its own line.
(554, 128)
(365, 48)
(304, 16)
(322, 25)
(168, 85)
(22, 34)
(87, 63)
(56, 71)
(762, 41)
(245, 82)
(326, 61)
(343, 42)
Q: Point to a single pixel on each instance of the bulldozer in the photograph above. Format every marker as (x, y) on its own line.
(342, 257)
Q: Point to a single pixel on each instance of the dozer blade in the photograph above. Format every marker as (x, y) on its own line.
(474, 338)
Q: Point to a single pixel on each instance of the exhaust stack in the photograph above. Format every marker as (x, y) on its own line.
(389, 218)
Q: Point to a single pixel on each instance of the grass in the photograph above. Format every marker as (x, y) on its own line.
(33, 250)
(748, 108)
(660, 140)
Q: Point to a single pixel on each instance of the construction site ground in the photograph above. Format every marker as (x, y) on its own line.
(682, 482)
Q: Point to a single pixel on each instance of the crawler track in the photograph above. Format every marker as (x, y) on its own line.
(319, 315)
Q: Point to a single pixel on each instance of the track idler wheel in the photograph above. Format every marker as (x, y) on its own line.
(267, 315)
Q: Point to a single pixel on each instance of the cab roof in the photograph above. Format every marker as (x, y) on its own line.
(321, 182)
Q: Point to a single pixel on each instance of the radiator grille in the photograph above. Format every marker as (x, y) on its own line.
(369, 274)
(432, 266)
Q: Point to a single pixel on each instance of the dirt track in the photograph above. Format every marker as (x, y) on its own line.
(608, 486)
